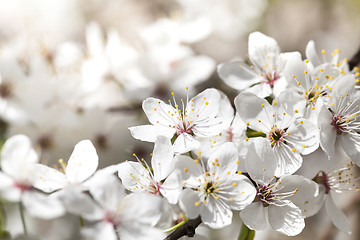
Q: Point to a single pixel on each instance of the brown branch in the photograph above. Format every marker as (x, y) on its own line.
(188, 229)
(355, 60)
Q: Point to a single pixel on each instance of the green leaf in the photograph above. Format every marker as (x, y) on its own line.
(246, 233)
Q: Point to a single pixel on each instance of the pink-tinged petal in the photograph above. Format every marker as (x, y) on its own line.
(254, 216)
(189, 202)
(83, 162)
(16, 155)
(134, 176)
(286, 219)
(172, 187)
(336, 215)
(42, 206)
(351, 146)
(288, 161)
(311, 53)
(215, 215)
(162, 158)
(238, 75)
(148, 133)
(251, 110)
(328, 133)
(48, 179)
(8, 189)
(224, 161)
(260, 161)
(206, 106)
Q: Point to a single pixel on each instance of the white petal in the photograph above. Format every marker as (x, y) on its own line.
(336, 215)
(134, 176)
(260, 161)
(79, 203)
(83, 162)
(148, 133)
(286, 219)
(290, 101)
(172, 187)
(42, 206)
(224, 161)
(187, 202)
(107, 191)
(185, 143)
(206, 104)
(304, 190)
(260, 45)
(215, 215)
(288, 161)
(192, 71)
(327, 132)
(16, 155)
(48, 179)
(304, 137)
(188, 167)
(250, 110)
(351, 146)
(159, 113)
(237, 75)
(311, 53)
(142, 208)
(7, 189)
(162, 158)
(313, 206)
(254, 216)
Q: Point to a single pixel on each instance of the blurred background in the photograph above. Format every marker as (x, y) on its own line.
(79, 69)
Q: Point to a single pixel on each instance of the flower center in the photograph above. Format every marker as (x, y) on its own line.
(270, 78)
(336, 122)
(264, 194)
(112, 218)
(185, 127)
(276, 137)
(322, 179)
(155, 188)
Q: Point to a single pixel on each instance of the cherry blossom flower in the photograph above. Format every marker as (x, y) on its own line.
(212, 191)
(277, 198)
(18, 160)
(341, 179)
(123, 216)
(159, 179)
(288, 134)
(265, 77)
(340, 121)
(195, 117)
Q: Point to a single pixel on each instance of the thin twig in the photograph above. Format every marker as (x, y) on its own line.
(188, 229)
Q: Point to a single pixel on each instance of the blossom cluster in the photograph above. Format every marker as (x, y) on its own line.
(210, 160)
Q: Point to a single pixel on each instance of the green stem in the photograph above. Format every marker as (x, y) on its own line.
(246, 233)
(82, 223)
(21, 210)
(176, 226)
(191, 155)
